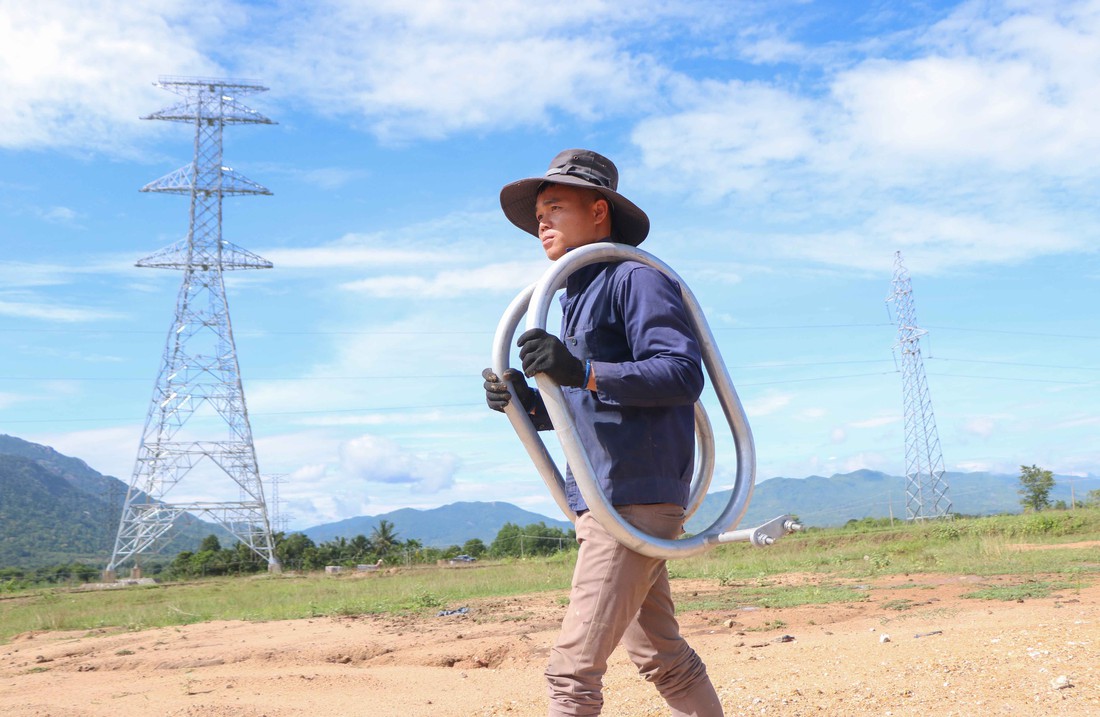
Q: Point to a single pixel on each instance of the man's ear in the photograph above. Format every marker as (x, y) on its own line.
(601, 210)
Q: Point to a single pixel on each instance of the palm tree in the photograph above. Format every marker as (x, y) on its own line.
(360, 546)
(383, 537)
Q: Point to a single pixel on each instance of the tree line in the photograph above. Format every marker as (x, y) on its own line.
(296, 551)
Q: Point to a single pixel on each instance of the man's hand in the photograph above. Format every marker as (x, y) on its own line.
(496, 389)
(544, 353)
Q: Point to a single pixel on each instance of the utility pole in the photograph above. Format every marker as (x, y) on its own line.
(926, 488)
(197, 433)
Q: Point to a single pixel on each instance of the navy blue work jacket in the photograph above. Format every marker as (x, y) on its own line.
(638, 427)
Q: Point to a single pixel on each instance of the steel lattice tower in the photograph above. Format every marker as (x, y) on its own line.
(197, 427)
(925, 487)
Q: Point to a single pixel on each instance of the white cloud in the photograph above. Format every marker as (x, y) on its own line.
(863, 460)
(422, 244)
(348, 254)
(326, 478)
(47, 312)
(509, 276)
(413, 70)
(401, 70)
(1008, 86)
(110, 451)
(378, 460)
(80, 73)
(59, 215)
(10, 399)
(406, 418)
(729, 138)
(766, 405)
(965, 151)
(332, 177)
(981, 426)
(875, 422)
(15, 274)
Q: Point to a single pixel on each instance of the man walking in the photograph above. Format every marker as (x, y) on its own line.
(630, 369)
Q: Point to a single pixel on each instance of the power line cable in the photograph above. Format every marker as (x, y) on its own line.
(1014, 333)
(1010, 378)
(1014, 363)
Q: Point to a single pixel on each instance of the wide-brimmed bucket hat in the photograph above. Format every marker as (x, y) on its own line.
(577, 168)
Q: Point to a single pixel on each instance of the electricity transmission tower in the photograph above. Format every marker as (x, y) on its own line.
(197, 432)
(925, 487)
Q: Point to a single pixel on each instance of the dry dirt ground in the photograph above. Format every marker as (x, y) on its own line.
(914, 647)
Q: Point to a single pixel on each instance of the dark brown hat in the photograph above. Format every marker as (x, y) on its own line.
(578, 168)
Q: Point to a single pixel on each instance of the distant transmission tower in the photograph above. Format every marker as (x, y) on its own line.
(925, 487)
(197, 429)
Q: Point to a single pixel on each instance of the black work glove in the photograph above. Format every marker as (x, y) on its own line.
(496, 389)
(544, 353)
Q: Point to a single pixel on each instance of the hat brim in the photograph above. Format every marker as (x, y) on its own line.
(629, 223)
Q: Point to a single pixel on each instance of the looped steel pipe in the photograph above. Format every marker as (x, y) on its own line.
(534, 301)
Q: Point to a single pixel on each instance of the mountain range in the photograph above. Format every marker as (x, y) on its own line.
(56, 509)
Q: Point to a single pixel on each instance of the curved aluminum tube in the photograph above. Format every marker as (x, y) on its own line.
(565, 426)
(536, 449)
(704, 469)
(521, 422)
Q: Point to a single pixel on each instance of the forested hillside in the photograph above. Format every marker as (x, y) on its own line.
(44, 519)
(56, 509)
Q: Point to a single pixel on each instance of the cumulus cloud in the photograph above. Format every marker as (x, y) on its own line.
(729, 138)
(402, 71)
(961, 143)
(327, 477)
(429, 69)
(379, 460)
(74, 73)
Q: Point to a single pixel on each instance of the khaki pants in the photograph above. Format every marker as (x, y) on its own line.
(620, 595)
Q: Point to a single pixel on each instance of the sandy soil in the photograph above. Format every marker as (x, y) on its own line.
(914, 647)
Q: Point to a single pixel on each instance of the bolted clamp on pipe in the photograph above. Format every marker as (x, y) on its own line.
(534, 301)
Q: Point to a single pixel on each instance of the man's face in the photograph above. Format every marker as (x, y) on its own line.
(569, 217)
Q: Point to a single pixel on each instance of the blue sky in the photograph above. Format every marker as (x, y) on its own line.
(783, 150)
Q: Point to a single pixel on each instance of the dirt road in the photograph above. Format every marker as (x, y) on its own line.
(915, 646)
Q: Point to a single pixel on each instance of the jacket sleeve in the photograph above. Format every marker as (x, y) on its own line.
(666, 367)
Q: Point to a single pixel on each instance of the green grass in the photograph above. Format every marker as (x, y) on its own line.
(740, 574)
(275, 597)
(772, 596)
(978, 546)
